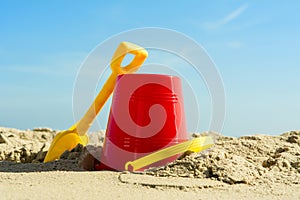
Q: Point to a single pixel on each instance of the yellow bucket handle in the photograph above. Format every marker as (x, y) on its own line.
(196, 145)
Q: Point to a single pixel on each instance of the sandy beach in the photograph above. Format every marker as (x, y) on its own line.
(249, 167)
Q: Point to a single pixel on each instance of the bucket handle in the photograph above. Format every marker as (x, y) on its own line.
(196, 145)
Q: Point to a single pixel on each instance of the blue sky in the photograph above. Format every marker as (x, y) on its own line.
(255, 45)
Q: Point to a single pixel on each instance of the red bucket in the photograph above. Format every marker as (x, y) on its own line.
(146, 115)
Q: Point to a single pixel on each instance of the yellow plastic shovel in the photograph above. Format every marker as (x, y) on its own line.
(68, 139)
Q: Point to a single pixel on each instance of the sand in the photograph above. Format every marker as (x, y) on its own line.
(249, 167)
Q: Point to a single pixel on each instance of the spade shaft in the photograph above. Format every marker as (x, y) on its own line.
(68, 139)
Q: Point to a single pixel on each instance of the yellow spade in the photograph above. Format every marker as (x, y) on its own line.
(68, 139)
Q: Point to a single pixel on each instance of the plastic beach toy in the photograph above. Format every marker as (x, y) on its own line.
(146, 115)
(196, 145)
(68, 139)
(146, 126)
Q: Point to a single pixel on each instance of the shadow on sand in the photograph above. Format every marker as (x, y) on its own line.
(59, 165)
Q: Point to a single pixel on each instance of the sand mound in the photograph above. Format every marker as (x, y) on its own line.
(25, 146)
(25, 150)
(248, 159)
(267, 167)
